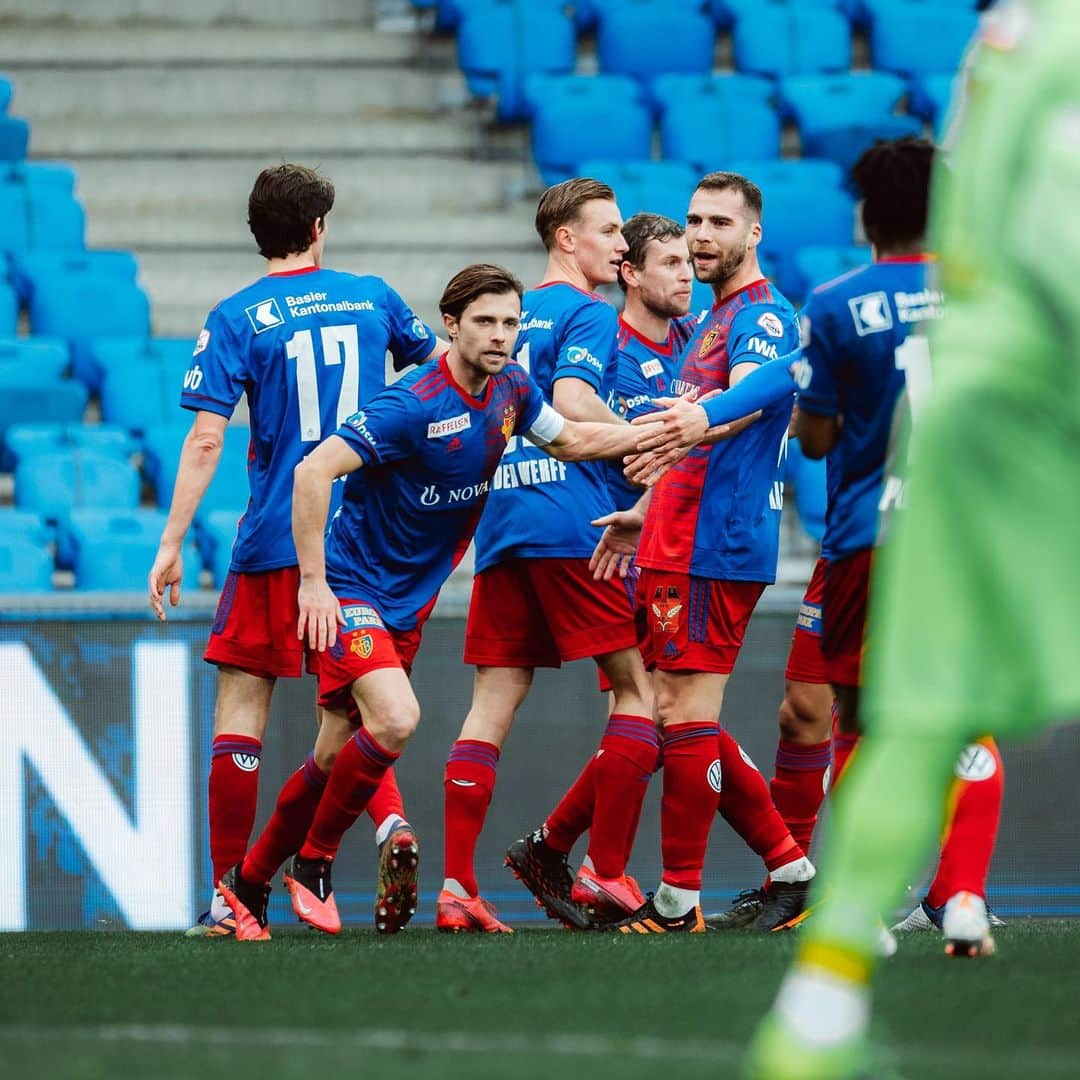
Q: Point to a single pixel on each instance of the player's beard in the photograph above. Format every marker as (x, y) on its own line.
(663, 308)
(725, 268)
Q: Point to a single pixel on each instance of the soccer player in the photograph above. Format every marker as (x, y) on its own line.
(534, 601)
(420, 459)
(306, 345)
(984, 531)
(708, 548)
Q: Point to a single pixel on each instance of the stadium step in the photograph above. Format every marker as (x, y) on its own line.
(193, 12)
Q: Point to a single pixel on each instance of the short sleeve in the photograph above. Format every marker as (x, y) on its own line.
(588, 344)
(532, 403)
(815, 374)
(759, 333)
(385, 429)
(411, 340)
(218, 375)
(634, 392)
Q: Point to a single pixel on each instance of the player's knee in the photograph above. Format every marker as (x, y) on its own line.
(393, 725)
(803, 718)
(667, 707)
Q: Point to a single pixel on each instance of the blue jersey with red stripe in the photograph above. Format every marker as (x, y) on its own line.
(857, 359)
(308, 348)
(644, 371)
(430, 450)
(717, 513)
(539, 508)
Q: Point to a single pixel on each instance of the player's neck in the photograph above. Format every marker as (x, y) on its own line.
(470, 380)
(900, 251)
(645, 321)
(564, 268)
(305, 260)
(745, 275)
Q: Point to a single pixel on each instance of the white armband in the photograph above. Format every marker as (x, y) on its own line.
(547, 426)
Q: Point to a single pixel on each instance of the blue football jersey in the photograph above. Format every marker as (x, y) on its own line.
(716, 514)
(308, 348)
(536, 511)
(644, 371)
(857, 358)
(430, 450)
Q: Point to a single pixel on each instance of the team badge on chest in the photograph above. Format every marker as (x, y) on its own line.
(707, 342)
(509, 417)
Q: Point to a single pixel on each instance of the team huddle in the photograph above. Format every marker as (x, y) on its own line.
(621, 477)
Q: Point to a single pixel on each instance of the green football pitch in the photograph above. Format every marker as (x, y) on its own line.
(538, 1004)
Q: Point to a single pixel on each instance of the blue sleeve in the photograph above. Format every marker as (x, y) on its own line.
(410, 339)
(633, 392)
(588, 344)
(219, 373)
(530, 400)
(771, 382)
(385, 429)
(759, 332)
(816, 376)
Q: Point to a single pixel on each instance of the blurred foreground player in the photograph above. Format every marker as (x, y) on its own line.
(985, 529)
(420, 459)
(306, 345)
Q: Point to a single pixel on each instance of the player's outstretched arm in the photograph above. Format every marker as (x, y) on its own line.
(320, 613)
(589, 440)
(199, 459)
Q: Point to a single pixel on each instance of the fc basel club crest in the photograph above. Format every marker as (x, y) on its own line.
(707, 342)
(666, 606)
(509, 416)
(362, 646)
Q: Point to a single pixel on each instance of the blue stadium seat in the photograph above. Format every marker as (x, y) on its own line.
(578, 117)
(778, 41)
(501, 42)
(845, 144)
(24, 567)
(14, 136)
(866, 12)
(658, 187)
(39, 175)
(930, 96)
(216, 532)
(81, 307)
(24, 440)
(47, 358)
(14, 218)
(817, 265)
(151, 399)
(706, 129)
(229, 488)
(5, 94)
(56, 221)
(52, 485)
(647, 39)
(114, 551)
(920, 40)
(127, 356)
(804, 205)
(9, 309)
(32, 266)
(23, 525)
(735, 91)
(818, 102)
(30, 394)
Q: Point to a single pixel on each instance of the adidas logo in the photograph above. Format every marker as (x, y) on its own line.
(454, 444)
(671, 649)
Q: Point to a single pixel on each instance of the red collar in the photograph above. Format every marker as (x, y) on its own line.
(922, 257)
(294, 273)
(471, 400)
(731, 296)
(663, 347)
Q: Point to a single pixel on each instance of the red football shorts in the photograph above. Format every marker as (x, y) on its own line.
(844, 619)
(692, 623)
(541, 612)
(805, 660)
(363, 645)
(255, 625)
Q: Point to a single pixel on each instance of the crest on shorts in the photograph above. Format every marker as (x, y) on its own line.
(509, 418)
(666, 606)
(707, 342)
(362, 646)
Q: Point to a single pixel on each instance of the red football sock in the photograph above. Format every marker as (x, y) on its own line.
(628, 752)
(748, 808)
(798, 787)
(972, 832)
(468, 783)
(234, 793)
(387, 801)
(289, 823)
(359, 767)
(843, 746)
(691, 754)
(575, 810)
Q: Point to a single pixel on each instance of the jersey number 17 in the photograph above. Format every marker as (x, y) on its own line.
(339, 346)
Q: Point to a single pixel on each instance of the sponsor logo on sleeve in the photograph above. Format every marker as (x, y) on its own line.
(193, 377)
(870, 313)
(578, 354)
(762, 348)
(771, 324)
(651, 368)
(202, 341)
(419, 329)
(264, 315)
(358, 422)
(449, 427)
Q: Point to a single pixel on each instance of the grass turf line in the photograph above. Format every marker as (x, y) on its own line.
(87, 1005)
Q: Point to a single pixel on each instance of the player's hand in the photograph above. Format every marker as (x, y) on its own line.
(683, 423)
(646, 469)
(615, 549)
(320, 614)
(166, 573)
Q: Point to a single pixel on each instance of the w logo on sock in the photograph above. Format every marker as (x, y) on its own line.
(246, 762)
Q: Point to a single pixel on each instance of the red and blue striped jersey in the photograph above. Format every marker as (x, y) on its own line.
(717, 513)
(430, 450)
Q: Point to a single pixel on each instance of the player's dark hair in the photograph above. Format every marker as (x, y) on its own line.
(730, 181)
(475, 281)
(894, 179)
(286, 201)
(639, 231)
(561, 205)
